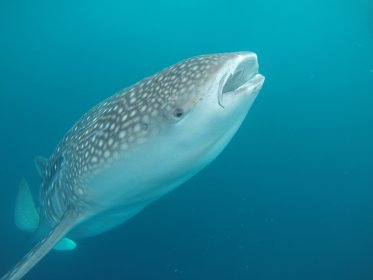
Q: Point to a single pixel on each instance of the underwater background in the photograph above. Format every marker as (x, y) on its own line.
(292, 195)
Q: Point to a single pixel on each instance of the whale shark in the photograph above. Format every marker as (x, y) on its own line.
(135, 147)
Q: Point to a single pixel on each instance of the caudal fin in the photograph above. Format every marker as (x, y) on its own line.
(42, 248)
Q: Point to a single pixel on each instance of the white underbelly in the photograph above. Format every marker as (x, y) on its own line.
(144, 175)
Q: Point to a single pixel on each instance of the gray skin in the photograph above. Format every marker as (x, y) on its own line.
(141, 143)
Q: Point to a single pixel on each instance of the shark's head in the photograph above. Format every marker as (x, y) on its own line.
(208, 97)
(225, 82)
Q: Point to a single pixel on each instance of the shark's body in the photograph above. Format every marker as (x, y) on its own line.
(141, 143)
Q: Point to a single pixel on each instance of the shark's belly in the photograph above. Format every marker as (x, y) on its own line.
(144, 175)
(104, 221)
(125, 196)
(129, 185)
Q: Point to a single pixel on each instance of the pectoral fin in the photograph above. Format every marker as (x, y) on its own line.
(26, 215)
(42, 247)
(65, 244)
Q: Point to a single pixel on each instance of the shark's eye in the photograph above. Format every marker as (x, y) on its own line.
(178, 113)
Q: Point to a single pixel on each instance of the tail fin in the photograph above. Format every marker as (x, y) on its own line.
(42, 248)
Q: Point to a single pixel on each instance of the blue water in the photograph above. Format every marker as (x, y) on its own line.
(291, 196)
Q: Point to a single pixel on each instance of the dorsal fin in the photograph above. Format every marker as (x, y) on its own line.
(43, 247)
(41, 164)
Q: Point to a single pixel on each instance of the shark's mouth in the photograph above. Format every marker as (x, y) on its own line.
(244, 71)
(241, 76)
